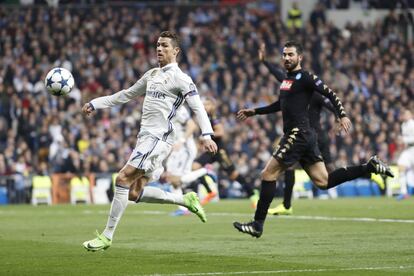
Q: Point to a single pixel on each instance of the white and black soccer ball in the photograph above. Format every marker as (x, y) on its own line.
(59, 81)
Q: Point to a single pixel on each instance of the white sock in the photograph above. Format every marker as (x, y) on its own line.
(178, 191)
(119, 203)
(332, 193)
(193, 175)
(403, 183)
(156, 195)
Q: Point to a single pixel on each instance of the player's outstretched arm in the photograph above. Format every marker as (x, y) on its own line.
(242, 114)
(120, 97)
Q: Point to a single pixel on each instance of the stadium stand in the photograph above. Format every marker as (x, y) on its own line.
(107, 47)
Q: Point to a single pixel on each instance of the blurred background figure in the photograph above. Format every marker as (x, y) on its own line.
(406, 159)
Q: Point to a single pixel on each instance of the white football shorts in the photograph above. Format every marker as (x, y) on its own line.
(148, 155)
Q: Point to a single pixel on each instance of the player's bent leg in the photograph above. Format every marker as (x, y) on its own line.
(156, 195)
(318, 173)
(189, 200)
(272, 170)
(135, 191)
(126, 177)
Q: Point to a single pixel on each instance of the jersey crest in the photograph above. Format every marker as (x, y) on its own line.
(286, 85)
(154, 72)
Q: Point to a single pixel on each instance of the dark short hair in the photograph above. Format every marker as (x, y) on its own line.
(297, 45)
(175, 41)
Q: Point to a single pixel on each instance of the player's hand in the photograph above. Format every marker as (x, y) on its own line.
(262, 52)
(337, 127)
(87, 109)
(209, 146)
(243, 114)
(346, 124)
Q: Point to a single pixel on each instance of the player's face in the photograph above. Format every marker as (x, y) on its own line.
(291, 58)
(166, 52)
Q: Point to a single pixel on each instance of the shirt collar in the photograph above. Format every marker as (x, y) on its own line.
(294, 73)
(168, 66)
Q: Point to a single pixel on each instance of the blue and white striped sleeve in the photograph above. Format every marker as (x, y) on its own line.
(189, 91)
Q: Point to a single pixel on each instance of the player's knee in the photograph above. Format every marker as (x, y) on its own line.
(321, 185)
(124, 179)
(321, 182)
(268, 175)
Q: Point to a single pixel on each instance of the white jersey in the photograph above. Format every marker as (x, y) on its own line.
(165, 90)
(407, 131)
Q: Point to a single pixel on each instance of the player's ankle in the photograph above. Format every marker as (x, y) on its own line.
(258, 225)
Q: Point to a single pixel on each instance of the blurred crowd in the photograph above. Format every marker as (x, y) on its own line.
(107, 49)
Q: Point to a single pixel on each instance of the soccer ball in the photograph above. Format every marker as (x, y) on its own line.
(59, 81)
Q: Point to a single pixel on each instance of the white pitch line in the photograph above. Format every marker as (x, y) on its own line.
(227, 214)
(286, 271)
(324, 218)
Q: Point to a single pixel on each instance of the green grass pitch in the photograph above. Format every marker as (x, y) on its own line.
(360, 236)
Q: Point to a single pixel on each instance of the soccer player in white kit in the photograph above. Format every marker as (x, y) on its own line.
(179, 163)
(165, 89)
(406, 160)
(184, 150)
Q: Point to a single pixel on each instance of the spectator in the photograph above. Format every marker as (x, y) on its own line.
(317, 16)
(294, 20)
